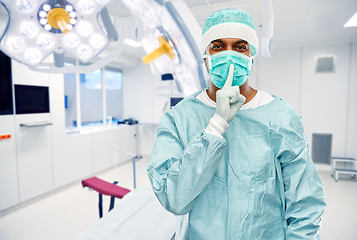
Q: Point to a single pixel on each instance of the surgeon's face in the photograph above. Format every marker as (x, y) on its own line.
(234, 44)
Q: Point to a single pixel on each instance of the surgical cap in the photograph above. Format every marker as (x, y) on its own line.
(228, 23)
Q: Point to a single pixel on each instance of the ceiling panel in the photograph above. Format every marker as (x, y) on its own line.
(331, 8)
(326, 30)
(290, 10)
(287, 34)
(195, 3)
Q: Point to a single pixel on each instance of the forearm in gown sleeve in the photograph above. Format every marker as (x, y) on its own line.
(179, 173)
(304, 193)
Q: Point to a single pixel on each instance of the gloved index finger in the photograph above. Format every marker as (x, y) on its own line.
(230, 77)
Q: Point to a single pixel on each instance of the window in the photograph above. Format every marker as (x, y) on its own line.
(91, 98)
(114, 93)
(70, 100)
(90, 104)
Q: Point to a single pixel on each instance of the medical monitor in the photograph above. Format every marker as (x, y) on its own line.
(167, 77)
(6, 106)
(174, 101)
(31, 99)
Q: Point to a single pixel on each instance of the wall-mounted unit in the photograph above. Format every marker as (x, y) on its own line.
(31, 99)
(325, 64)
(321, 148)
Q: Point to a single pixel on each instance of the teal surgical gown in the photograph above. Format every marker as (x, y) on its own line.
(257, 182)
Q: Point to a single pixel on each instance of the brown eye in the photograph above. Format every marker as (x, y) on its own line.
(217, 47)
(241, 47)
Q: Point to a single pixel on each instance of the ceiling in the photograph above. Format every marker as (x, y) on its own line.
(296, 22)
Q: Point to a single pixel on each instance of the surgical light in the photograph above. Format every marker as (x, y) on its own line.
(15, 44)
(33, 55)
(73, 21)
(48, 27)
(29, 29)
(169, 42)
(45, 41)
(71, 40)
(42, 14)
(43, 21)
(69, 8)
(85, 29)
(46, 7)
(86, 6)
(84, 51)
(97, 41)
(26, 5)
(352, 22)
(73, 14)
(38, 28)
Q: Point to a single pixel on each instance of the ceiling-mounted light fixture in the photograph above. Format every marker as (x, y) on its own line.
(352, 22)
(37, 28)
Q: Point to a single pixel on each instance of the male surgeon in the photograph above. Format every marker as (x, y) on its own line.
(231, 161)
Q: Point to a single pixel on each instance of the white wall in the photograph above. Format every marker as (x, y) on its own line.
(281, 73)
(324, 96)
(325, 101)
(137, 94)
(140, 100)
(141, 103)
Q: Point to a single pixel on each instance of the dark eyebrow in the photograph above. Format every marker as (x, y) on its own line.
(220, 41)
(241, 41)
(217, 40)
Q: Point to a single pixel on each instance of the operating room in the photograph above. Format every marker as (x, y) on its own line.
(87, 86)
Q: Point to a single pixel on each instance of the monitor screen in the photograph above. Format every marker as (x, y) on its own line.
(31, 99)
(6, 106)
(174, 101)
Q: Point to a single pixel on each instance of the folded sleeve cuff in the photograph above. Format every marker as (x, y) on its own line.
(217, 126)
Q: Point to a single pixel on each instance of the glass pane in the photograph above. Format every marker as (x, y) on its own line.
(70, 100)
(114, 93)
(91, 98)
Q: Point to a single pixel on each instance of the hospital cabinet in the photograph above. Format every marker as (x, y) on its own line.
(34, 161)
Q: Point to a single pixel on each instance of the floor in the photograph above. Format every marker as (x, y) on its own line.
(68, 212)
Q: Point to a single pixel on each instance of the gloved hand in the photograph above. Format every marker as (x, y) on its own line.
(228, 102)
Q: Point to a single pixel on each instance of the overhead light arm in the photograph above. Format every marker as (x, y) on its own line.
(109, 27)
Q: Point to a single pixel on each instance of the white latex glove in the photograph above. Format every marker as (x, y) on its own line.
(228, 102)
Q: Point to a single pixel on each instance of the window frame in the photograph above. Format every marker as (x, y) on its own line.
(78, 129)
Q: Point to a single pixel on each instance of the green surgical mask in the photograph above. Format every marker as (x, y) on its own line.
(219, 63)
